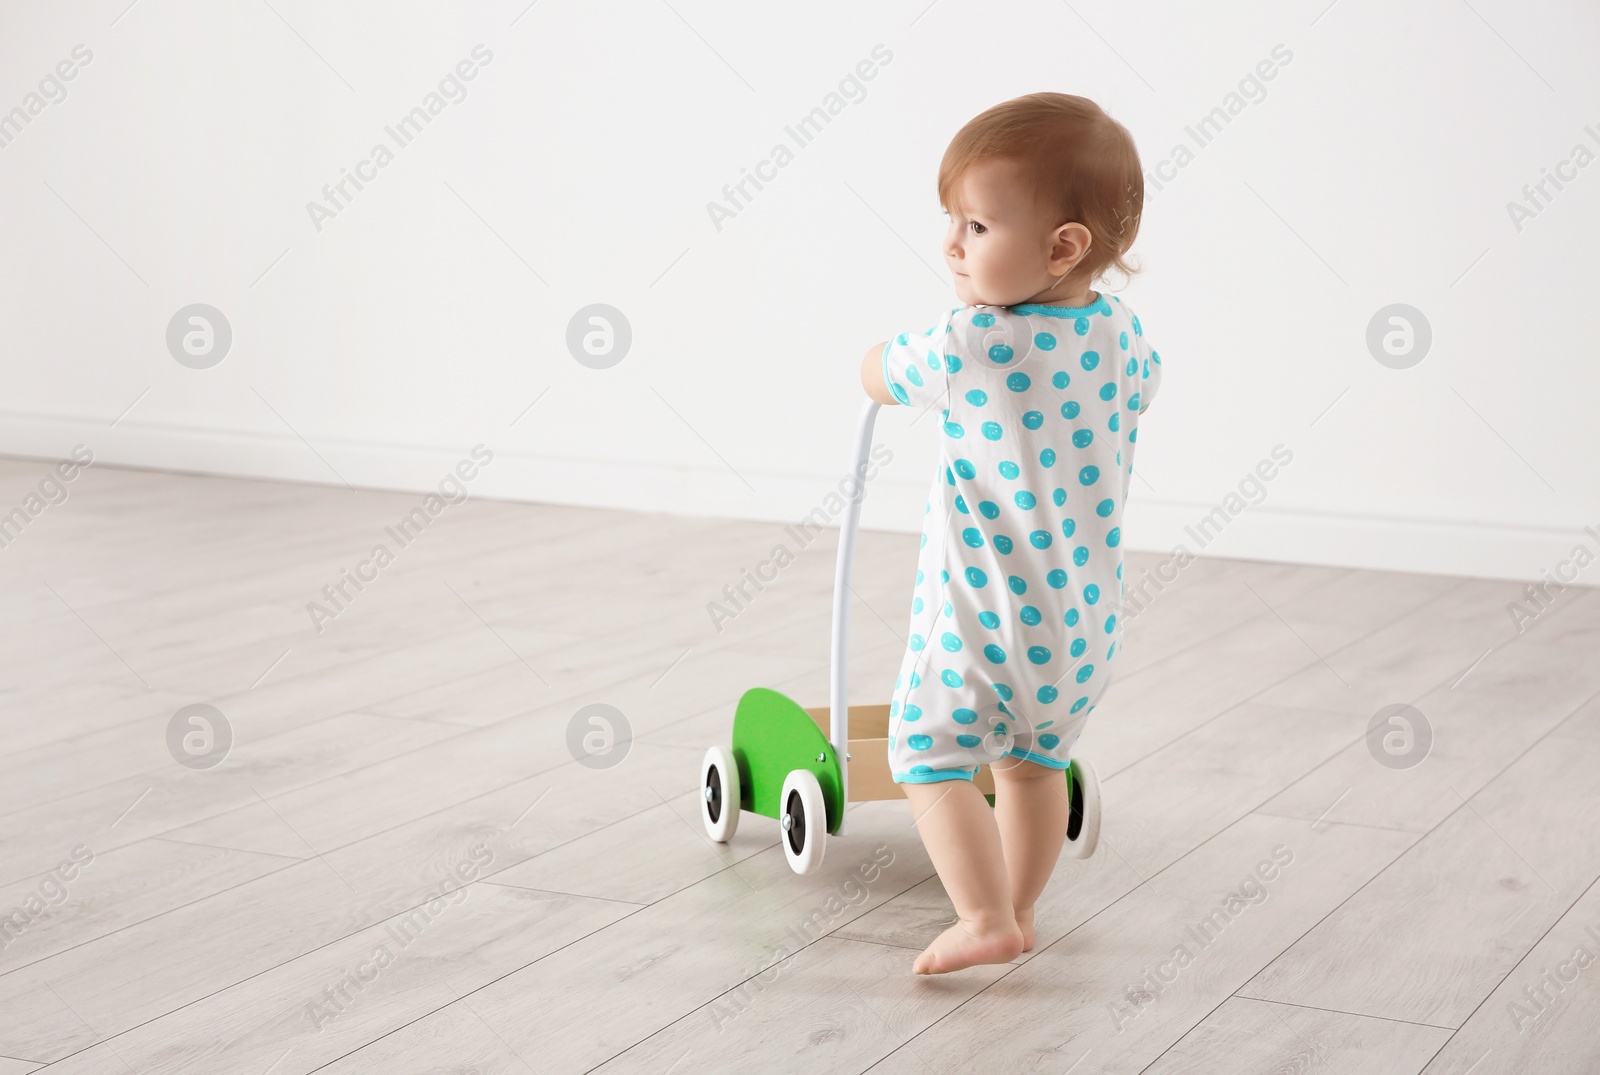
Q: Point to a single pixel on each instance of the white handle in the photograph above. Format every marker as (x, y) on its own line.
(838, 701)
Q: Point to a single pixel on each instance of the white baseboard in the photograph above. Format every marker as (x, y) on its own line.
(1436, 547)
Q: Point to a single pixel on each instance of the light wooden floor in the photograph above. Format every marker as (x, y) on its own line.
(279, 913)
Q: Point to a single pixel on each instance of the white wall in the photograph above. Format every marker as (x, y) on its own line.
(432, 310)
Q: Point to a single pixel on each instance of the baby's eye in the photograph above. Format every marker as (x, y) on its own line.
(978, 229)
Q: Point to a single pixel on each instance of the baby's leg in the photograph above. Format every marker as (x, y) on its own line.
(1030, 809)
(958, 830)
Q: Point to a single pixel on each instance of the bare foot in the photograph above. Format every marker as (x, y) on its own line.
(964, 945)
(1025, 923)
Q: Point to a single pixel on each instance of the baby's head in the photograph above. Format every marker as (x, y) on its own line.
(1044, 194)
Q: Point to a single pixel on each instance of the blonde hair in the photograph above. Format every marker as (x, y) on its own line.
(1079, 163)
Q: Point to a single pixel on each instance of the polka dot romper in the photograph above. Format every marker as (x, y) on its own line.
(1014, 632)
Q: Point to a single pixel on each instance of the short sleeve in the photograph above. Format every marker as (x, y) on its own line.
(914, 367)
(1149, 366)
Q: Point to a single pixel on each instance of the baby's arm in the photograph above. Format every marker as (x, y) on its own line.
(872, 375)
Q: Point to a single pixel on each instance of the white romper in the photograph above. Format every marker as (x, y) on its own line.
(1014, 630)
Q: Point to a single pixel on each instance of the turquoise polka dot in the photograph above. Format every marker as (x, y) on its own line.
(1018, 585)
(1111, 624)
(950, 641)
(1091, 593)
(965, 468)
(1133, 402)
(989, 619)
(995, 654)
(972, 537)
(1044, 341)
(977, 397)
(1108, 390)
(1081, 326)
(976, 578)
(964, 716)
(1061, 380)
(1082, 438)
(1025, 500)
(1089, 359)
(954, 430)
(1080, 555)
(991, 430)
(1002, 544)
(914, 376)
(1004, 691)
(1085, 672)
(952, 678)
(952, 363)
(1116, 423)
(1105, 507)
(913, 712)
(916, 604)
(1033, 420)
(961, 505)
(1049, 741)
(1008, 469)
(988, 509)
(1039, 654)
(921, 769)
(1069, 527)
(1071, 617)
(1059, 496)
(968, 740)
(1029, 615)
(1056, 579)
(1088, 475)
(1123, 339)
(894, 706)
(1070, 409)
(1047, 458)
(900, 393)
(1077, 647)
(1046, 694)
(1000, 354)
(919, 741)
(1133, 366)
(1114, 536)
(985, 320)
(1018, 382)
(1079, 704)
(1039, 539)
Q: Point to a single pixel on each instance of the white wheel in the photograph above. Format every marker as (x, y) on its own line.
(1083, 820)
(804, 819)
(719, 795)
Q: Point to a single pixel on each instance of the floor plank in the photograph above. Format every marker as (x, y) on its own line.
(1434, 934)
(1253, 1035)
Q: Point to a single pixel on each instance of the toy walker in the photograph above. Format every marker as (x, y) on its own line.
(793, 763)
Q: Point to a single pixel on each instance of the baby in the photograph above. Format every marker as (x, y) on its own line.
(1038, 384)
